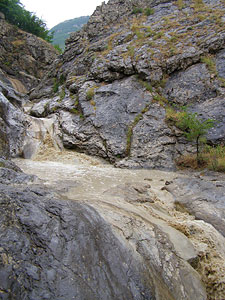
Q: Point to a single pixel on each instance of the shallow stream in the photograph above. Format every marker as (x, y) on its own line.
(87, 178)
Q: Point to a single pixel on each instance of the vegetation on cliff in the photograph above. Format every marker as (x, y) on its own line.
(16, 14)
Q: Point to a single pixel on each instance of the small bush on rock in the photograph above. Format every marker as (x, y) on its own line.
(195, 129)
(137, 10)
(149, 11)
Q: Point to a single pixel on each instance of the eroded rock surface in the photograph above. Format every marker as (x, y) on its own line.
(64, 250)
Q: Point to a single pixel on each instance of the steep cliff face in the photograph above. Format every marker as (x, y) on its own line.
(118, 76)
(24, 58)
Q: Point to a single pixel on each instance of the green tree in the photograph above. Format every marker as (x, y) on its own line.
(16, 14)
(195, 129)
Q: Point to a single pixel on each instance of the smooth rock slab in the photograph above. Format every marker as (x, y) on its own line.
(63, 250)
(203, 198)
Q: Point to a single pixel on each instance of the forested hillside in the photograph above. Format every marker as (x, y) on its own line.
(16, 14)
(63, 30)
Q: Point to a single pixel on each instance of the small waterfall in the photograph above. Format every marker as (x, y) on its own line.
(41, 134)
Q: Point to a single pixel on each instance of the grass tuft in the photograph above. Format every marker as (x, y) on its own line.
(90, 93)
(209, 61)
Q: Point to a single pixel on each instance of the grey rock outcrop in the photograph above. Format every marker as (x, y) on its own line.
(24, 59)
(108, 95)
(13, 127)
(129, 240)
(177, 55)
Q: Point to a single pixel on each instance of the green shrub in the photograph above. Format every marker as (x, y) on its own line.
(158, 35)
(195, 129)
(173, 116)
(209, 61)
(161, 99)
(137, 10)
(212, 158)
(62, 79)
(58, 82)
(58, 49)
(93, 103)
(222, 81)
(129, 138)
(215, 157)
(146, 85)
(198, 4)
(180, 4)
(131, 50)
(74, 111)
(149, 11)
(62, 94)
(130, 132)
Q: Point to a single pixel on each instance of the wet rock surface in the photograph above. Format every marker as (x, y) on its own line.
(114, 239)
(203, 198)
(62, 250)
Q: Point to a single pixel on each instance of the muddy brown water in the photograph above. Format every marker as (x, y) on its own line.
(89, 177)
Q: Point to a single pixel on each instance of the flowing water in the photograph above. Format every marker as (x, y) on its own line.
(87, 178)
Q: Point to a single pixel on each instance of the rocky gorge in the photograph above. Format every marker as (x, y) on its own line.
(74, 226)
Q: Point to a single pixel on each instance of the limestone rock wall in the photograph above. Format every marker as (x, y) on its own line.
(24, 59)
(118, 76)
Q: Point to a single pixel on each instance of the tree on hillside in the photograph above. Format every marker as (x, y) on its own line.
(16, 14)
(195, 129)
